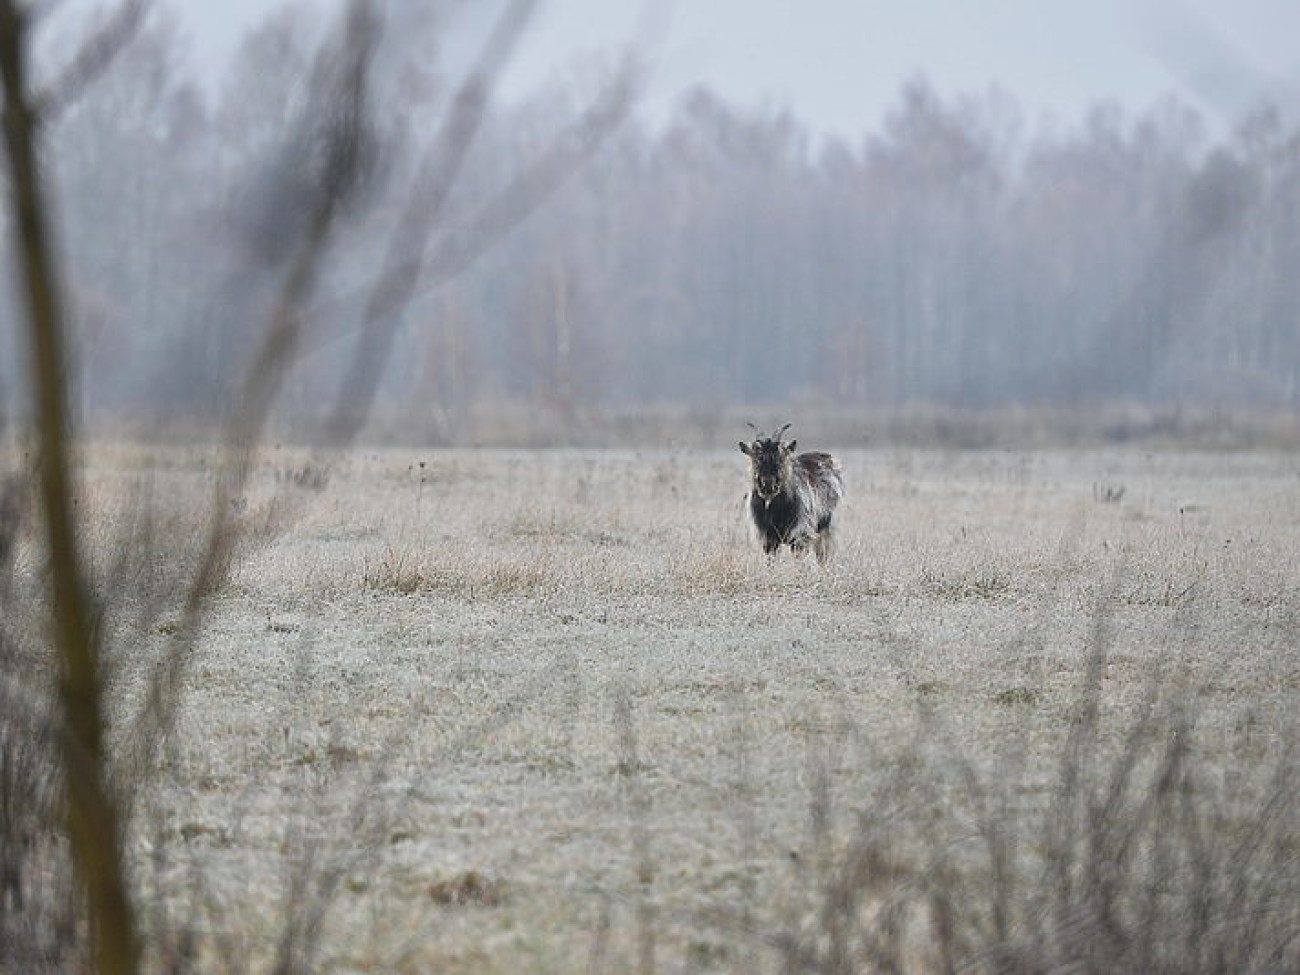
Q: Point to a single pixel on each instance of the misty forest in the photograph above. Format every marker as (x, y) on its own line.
(958, 257)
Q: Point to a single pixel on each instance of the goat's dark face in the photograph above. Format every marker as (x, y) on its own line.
(769, 463)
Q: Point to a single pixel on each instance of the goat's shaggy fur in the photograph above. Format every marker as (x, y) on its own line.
(792, 497)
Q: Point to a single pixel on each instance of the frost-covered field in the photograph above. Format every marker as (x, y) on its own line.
(492, 711)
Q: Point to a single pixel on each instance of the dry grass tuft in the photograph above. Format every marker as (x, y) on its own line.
(715, 571)
(405, 572)
(1017, 696)
(981, 583)
(398, 570)
(522, 578)
(468, 889)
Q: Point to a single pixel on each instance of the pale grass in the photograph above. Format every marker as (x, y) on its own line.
(427, 666)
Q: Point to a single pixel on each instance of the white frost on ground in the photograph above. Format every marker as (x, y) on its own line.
(567, 690)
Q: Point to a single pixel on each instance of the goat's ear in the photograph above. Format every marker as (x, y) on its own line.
(744, 448)
(789, 447)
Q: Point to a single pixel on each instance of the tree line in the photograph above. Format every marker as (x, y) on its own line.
(955, 256)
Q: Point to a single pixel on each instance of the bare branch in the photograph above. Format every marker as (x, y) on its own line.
(540, 180)
(397, 283)
(93, 815)
(457, 249)
(263, 381)
(97, 53)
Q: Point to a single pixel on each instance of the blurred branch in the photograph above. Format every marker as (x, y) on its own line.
(397, 282)
(97, 53)
(263, 381)
(531, 187)
(92, 812)
(458, 249)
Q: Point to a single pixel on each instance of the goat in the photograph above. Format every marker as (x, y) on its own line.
(792, 497)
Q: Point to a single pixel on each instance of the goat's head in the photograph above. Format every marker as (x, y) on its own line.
(769, 461)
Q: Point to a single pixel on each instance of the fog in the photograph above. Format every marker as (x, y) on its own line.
(703, 252)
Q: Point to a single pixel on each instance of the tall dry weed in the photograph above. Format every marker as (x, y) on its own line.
(1145, 848)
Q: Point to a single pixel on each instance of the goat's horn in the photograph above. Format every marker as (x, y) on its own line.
(784, 428)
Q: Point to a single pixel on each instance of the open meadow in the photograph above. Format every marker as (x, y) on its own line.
(499, 711)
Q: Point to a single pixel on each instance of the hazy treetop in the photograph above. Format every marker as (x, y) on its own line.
(838, 64)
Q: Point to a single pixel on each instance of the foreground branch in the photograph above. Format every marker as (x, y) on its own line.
(97, 53)
(345, 86)
(92, 811)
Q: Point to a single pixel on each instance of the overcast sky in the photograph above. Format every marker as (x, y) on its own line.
(839, 64)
